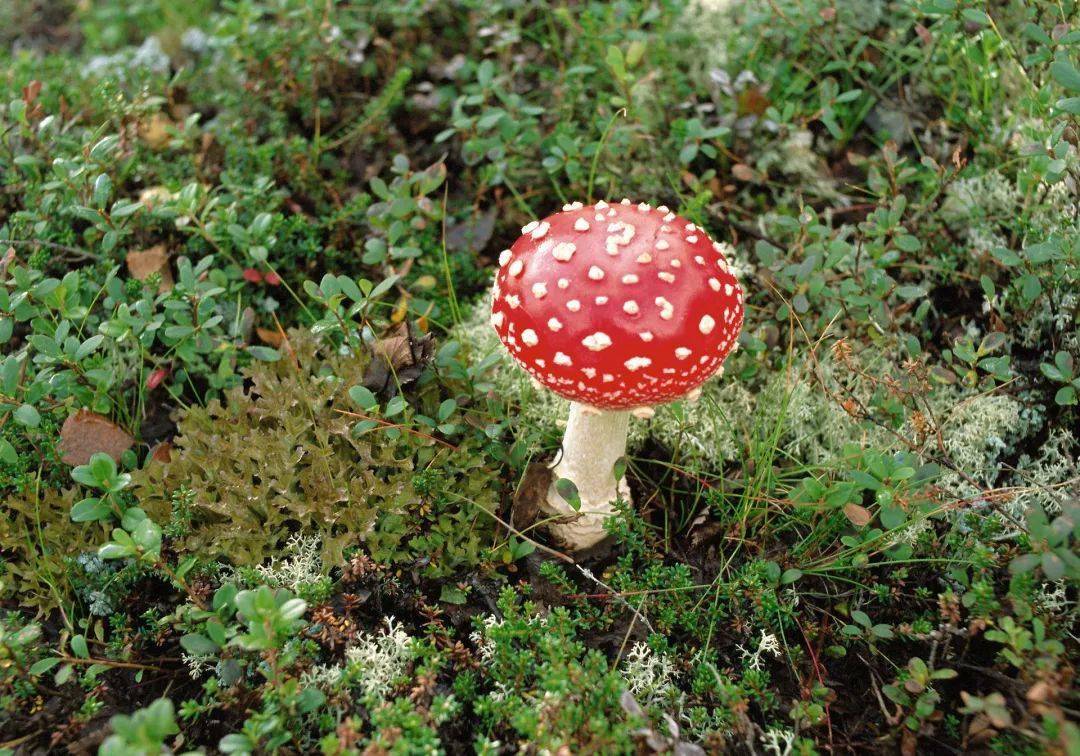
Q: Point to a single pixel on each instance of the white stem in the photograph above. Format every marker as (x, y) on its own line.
(593, 443)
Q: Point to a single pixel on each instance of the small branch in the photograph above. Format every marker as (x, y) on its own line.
(81, 254)
(110, 663)
(614, 594)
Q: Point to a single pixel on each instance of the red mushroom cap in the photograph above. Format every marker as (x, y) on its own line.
(617, 306)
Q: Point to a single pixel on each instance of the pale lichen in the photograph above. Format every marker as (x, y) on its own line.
(301, 565)
(375, 660)
(1048, 477)
(649, 675)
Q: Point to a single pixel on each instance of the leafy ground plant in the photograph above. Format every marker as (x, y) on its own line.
(268, 485)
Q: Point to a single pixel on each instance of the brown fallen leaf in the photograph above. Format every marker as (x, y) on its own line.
(473, 233)
(210, 159)
(155, 131)
(858, 515)
(753, 101)
(269, 336)
(743, 172)
(154, 196)
(141, 265)
(398, 355)
(86, 433)
(162, 453)
(530, 495)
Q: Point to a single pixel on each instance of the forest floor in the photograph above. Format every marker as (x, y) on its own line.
(269, 481)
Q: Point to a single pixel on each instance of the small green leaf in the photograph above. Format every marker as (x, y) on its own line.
(908, 243)
(395, 406)
(79, 648)
(1065, 74)
(363, 397)
(620, 469)
(892, 517)
(42, 666)
(569, 492)
(614, 60)
(451, 594)
(383, 286)
(89, 510)
(1024, 563)
(7, 452)
(790, 576)
(115, 551)
(102, 467)
(28, 416)
(104, 146)
(216, 631)
(89, 346)
(446, 409)
(131, 519)
(199, 645)
(63, 674)
(1037, 34)
(264, 354)
(975, 16)
(350, 289)
(1053, 565)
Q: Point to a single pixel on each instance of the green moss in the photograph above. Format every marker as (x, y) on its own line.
(37, 538)
(280, 456)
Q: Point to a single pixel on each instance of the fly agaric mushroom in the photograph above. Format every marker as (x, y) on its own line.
(616, 308)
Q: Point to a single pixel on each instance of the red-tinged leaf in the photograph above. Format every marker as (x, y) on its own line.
(162, 453)
(155, 378)
(270, 336)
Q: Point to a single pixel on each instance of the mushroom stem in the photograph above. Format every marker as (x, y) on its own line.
(593, 443)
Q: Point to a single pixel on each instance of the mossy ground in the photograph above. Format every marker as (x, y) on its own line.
(256, 237)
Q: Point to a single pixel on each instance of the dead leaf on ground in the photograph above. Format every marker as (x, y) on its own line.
(210, 159)
(155, 131)
(753, 101)
(530, 496)
(86, 433)
(398, 358)
(743, 172)
(473, 233)
(162, 453)
(141, 265)
(858, 515)
(153, 196)
(269, 336)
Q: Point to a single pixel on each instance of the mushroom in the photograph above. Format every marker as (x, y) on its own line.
(616, 307)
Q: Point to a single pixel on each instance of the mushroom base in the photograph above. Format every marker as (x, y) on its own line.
(593, 443)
